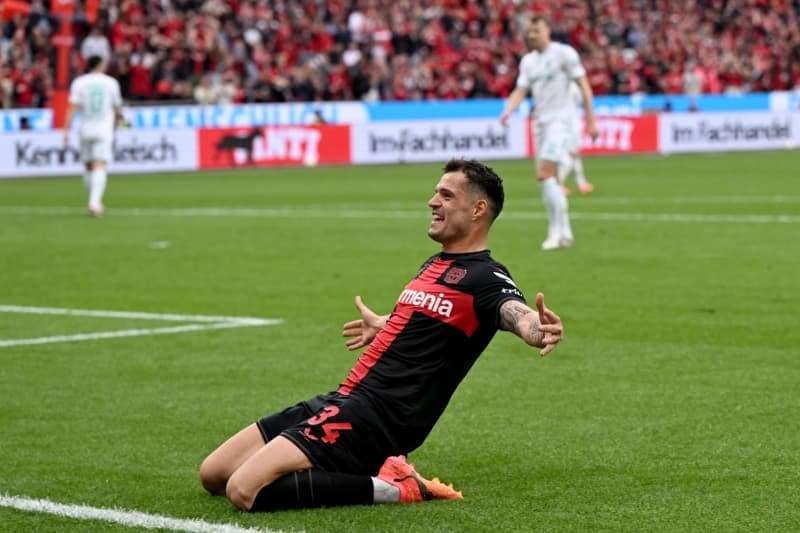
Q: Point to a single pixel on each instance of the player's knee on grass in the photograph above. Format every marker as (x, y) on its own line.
(212, 477)
(238, 495)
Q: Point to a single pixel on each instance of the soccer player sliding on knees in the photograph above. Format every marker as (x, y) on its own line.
(349, 446)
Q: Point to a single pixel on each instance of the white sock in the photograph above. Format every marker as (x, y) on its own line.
(563, 222)
(97, 187)
(555, 203)
(87, 180)
(577, 166)
(384, 492)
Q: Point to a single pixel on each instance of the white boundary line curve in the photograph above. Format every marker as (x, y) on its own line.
(124, 517)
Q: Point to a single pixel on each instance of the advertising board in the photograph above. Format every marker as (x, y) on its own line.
(44, 154)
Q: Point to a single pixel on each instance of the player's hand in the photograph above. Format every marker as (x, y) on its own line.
(549, 324)
(363, 330)
(504, 119)
(591, 129)
(66, 137)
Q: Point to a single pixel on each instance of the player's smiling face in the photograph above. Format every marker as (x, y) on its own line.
(452, 209)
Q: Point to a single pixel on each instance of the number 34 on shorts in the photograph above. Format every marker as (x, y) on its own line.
(321, 428)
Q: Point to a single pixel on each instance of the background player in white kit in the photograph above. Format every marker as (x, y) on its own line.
(573, 162)
(547, 72)
(96, 96)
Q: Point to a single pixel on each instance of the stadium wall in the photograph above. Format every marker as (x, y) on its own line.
(42, 153)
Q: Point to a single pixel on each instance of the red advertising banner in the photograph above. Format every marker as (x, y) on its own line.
(267, 146)
(623, 135)
(618, 135)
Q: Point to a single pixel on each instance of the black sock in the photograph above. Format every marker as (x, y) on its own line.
(314, 488)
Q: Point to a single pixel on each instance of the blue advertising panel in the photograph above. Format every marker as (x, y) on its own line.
(194, 116)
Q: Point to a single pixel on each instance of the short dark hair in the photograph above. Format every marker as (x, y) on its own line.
(539, 18)
(482, 178)
(92, 62)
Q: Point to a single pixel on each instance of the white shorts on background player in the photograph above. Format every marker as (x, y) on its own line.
(553, 140)
(95, 149)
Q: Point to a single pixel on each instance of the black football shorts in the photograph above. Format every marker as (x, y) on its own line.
(337, 433)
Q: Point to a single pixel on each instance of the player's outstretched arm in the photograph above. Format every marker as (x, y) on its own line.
(363, 330)
(514, 99)
(542, 329)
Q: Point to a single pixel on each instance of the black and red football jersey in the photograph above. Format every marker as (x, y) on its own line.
(443, 320)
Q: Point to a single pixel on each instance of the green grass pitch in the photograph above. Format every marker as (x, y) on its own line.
(673, 403)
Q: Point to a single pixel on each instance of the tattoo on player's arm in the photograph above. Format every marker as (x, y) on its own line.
(535, 337)
(510, 313)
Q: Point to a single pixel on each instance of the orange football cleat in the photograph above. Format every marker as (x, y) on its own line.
(413, 487)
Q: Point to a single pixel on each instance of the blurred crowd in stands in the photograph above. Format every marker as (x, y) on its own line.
(222, 51)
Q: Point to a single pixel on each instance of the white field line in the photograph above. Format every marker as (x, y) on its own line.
(207, 323)
(358, 213)
(676, 200)
(101, 313)
(117, 334)
(123, 517)
(669, 217)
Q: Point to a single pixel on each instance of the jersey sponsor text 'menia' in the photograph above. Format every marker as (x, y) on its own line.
(432, 302)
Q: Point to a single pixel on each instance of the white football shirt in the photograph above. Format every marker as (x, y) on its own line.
(97, 95)
(548, 76)
(575, 93)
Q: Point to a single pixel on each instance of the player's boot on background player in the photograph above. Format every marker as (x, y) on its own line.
(413, 487)
(553, 242)
(557, 241)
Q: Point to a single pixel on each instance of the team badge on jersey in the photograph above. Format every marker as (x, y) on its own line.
(454, 275)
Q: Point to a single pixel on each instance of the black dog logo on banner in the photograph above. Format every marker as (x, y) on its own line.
(229, 143)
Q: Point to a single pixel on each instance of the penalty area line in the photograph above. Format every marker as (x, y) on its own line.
(130, 314)
(201, 323)
(129, 333)
(124, 517)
